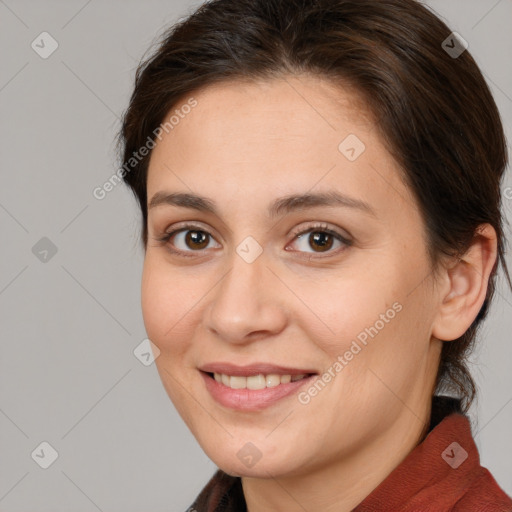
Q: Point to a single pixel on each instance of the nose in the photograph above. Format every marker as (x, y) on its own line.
(247, 304)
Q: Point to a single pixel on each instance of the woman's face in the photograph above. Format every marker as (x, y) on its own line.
(351, 300)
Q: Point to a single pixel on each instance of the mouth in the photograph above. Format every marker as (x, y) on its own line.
(255, 387)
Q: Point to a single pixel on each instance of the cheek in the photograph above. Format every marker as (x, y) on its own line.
(341, 310)
(368, 320)
(169, 303)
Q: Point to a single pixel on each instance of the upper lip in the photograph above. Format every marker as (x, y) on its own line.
(253, 369)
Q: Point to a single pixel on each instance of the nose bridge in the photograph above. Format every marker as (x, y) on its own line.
(243, 300)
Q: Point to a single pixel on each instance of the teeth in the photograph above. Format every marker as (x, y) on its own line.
(271, 381)
(237, 382)
(255, 381)
(285, 379)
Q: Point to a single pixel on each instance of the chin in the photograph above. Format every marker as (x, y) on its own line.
(259, 470)
(255, 460)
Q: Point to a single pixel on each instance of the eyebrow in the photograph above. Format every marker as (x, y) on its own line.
(278, 207)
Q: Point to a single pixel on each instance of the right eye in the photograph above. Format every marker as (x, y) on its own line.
(190, 237)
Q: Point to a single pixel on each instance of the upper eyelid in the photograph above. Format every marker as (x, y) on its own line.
(190, 225)
(187, 226)
(320, 226)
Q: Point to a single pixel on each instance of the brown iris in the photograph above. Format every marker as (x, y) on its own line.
(323, 240)
(197, 237)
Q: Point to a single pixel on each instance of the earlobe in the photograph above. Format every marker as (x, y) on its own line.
(467, 282)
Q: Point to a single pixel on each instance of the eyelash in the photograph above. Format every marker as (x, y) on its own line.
(319, 228)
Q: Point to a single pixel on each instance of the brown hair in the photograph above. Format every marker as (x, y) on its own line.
(434, 112)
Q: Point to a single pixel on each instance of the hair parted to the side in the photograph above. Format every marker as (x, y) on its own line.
(435, 113)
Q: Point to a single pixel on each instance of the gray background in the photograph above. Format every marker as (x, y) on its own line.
(69, 325)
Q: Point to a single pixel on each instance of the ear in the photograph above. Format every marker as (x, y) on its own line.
(464, 286)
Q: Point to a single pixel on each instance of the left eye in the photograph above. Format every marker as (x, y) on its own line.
(320, 239)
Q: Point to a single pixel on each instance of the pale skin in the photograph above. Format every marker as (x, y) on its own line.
(242, 147)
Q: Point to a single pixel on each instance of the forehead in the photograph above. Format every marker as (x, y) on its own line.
(283, 107)
(271, 135)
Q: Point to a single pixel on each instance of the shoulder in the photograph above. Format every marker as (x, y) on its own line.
(443, 473)
(483, 494)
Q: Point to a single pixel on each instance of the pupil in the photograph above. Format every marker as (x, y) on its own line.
(195, 237)
(318, 238)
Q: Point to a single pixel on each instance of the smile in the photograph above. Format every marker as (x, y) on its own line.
(253, 392)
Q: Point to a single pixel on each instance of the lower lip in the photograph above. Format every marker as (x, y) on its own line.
(251, 399)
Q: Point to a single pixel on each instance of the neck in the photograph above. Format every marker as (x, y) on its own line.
(341, 485)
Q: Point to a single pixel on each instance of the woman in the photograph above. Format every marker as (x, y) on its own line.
(319, 183)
